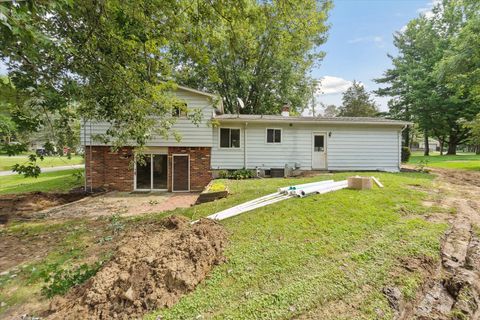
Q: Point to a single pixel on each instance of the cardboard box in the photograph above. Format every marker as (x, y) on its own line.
(360, 183)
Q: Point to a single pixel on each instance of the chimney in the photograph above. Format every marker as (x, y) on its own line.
(285, 110)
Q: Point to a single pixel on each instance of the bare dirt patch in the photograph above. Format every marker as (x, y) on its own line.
(452, 289)
(152, 268)
(21, 206)
(123, 204)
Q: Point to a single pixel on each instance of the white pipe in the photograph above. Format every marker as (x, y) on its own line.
(300, 186)
(236, 210)
(298, 192)
(311, 189)
(335, 186)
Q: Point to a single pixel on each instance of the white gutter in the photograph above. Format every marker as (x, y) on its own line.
(290, 120)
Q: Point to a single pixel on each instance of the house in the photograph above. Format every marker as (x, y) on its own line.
(261, 142)
(433, 145)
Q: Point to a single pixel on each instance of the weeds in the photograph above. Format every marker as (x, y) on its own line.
(116, 224)
(421, 166)
(61, 280)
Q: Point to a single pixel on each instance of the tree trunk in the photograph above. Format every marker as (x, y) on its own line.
(426, 151)
(477, 151)
(452, 148)
(441, 146)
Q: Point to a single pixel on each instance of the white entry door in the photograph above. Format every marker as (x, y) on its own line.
(319, 151)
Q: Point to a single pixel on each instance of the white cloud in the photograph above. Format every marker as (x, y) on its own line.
(377, 40)
(427, 10)
(333, 85)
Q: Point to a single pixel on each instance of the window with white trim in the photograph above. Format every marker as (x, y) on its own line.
(274, 135)
(229, 138)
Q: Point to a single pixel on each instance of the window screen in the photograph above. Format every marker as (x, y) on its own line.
(274, 135)
(319, 144)
(229, 138)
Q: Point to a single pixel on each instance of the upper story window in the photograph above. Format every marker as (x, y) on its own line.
(229, 138)
(274, 135)
(180, 111)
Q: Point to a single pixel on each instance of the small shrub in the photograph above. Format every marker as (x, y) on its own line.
(242, 174)
(78, 175)
(421, 166)
(223, 174)
(406, 153)
(239, 174)
(61, 280)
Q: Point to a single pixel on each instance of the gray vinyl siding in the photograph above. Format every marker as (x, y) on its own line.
(192, 135)
(350, 147)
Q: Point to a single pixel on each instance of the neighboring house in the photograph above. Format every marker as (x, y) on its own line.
(433, 145)
(242, 141)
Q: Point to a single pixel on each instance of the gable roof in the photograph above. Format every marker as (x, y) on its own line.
(211, 95)
(292, 119)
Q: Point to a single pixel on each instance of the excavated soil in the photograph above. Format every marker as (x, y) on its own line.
(152, 268)
(21, 206)
(452, 288)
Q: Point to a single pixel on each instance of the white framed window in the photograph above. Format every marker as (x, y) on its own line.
(180, 111)
(229, 137)
(274, 135)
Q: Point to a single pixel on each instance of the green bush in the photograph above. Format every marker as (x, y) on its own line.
(242, 174)
(406, 153)
(223, 174)
(239, 174)
(60, 281)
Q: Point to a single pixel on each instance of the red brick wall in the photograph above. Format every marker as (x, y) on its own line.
(110, 170)
(200, 169)
(114, 170)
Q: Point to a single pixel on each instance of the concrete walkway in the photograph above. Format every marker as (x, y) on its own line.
(51, 169)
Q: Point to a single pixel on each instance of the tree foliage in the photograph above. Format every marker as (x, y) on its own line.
(258, 51)
(357, 102)
(117, 61)
(427, 83)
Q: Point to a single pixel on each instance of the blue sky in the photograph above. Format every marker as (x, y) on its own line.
(360, 37)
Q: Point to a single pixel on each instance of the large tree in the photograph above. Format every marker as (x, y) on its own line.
(419, 83)
(259, 51)
(116, 60)
(357, 102)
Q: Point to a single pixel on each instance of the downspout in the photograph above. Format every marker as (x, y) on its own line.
(400, 147)
(245, 146)
(84, 153)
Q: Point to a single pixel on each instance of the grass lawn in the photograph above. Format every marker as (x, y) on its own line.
(7, 162)
(320, 257)
(465, 161)
(48, 181)
(320, 252)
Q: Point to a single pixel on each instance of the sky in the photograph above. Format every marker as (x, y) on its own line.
(360, 37)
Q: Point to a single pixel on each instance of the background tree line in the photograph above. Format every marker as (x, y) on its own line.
(435, 78)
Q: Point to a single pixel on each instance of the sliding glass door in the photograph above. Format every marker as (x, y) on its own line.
(153, 174)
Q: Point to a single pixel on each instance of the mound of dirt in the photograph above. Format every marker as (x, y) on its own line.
(152, 269)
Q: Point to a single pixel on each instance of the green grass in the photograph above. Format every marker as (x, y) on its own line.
(302, 255)
(464, 161)
(59, 181)
(7, 162)
(298, 256)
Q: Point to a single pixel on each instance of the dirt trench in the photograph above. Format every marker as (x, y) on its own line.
(452, 290)
(152, 268)
(25, 206)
